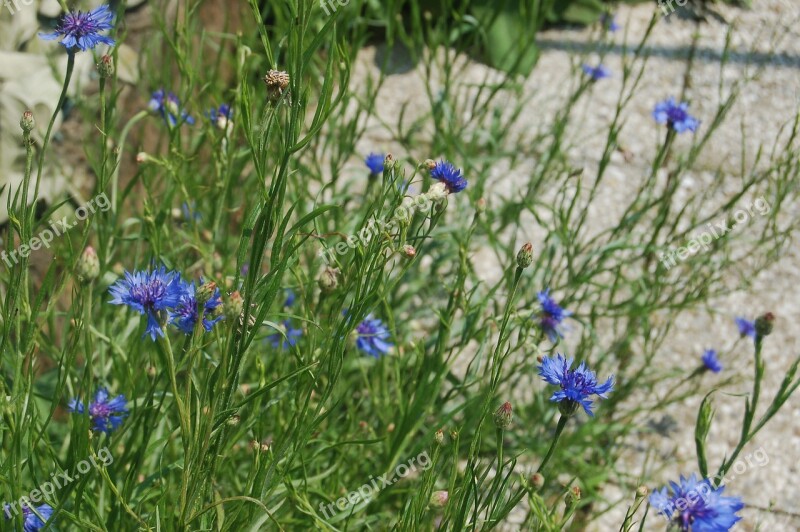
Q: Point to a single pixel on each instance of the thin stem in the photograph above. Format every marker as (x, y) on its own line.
(562, 422)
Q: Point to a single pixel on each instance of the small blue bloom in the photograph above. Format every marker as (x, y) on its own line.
(31, 522)
(279, 340)
(220, 117)
(149, 293)
(610, 22)
(711, 362)
(596, 73)
(186, 313)
(448, 174)
(746, 327)
(675, 115)
(169, 107)
(190, 212)
(696, 506)
(551, 315)
(106, 415)
(374, 162)
(373, 337)
(290, 297)
(576, 384)
(82, 30)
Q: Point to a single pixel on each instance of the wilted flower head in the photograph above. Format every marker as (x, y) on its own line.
(551, 315)
(448, 174)
(746, 327)
(186, 313)
(675, 115)
(576, 384)
(279, 340)
(106, 414)
(149, 292)
(710, 361)
(79, 30)
(168, 105)
(375, 162)
(373, 336)
(696, 506)
(277, 82)
(596, 73)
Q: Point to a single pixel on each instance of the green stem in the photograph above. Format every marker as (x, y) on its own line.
(562, 422)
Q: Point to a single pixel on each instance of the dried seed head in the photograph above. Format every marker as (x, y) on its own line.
(277, 81)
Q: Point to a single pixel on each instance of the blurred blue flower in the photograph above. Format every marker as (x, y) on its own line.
(711, 362)
(576, 384)
(746, 327)
(148, 292)
(82, 30)
(551, 315)
(190, 212)
(675, 115)
(185, 314)
(448, 174)
(290, 297)
(169, 107)
(279, 340)
(596, 73)
(31, 522)
(374, 162)
(106, 415)
(373, 336)
(696, 506)
(609, 21)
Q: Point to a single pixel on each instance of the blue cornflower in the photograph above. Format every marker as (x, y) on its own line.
(711, 362)
(106, 415)
(551, 315)
(149, 293)
(696, 506)
(290, 297)
(374, 162)
(746, 327)
(596, 73)
(169, 107)
(221, 116)
(373, 336)
(610, 22)
(576, 384)
(31, 521)
(82, 30)
(190, 212)
(675, 115)
(279, 340)
(186, 313)
(448, 174)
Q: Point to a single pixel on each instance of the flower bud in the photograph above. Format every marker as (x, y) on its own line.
(525, 256)
(430, 164)
(142, 157)
(438, 437)
(439, 499)
(437, 192)
(106, 66)
(573, 497)
(409, 251)
(764, 324)
(502, 416)
(329, 279)
(88, 265)
(641, 492)
(480, 206)
(233, 420)
(537, 481)
(205, 293)
(234, 306)
(27, 122)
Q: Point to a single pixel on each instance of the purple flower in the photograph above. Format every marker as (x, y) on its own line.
(711, 362)
(746, 327)
(696, 506)
(290, 297)
(610, 22)
(374, 162)
(551, 315)
(31, 521)
(149, 293)
(576, 384)
(373, 336)
(79, 30)
(169, 107)
(279, 340)
(448, 174)
(106, 415)
(675, 115)
(186, 312)
(221, 117)
(596, 73)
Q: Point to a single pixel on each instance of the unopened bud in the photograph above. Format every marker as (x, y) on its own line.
(537, 481)
(502, 416)
(480, 206)
(88, 265)
(430, 164)
(27, 122)
(388, 161)
(439, 499)
(409, 251)
(438, 437)
(764, 324)
(573, 497)
(142, 157)
(205, 293)
(106, 66)
(525, 256)
(233, 420)
(329, 279)
(641, 492)
(234, 306)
